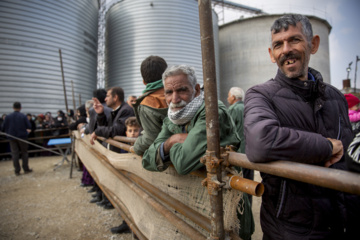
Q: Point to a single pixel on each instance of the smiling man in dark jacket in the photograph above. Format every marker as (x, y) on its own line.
(297, 117)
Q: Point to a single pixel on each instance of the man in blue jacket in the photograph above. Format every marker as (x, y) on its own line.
(17, 125)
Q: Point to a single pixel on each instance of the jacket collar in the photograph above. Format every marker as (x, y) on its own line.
(308, 90)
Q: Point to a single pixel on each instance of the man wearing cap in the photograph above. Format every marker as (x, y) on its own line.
(354, 113)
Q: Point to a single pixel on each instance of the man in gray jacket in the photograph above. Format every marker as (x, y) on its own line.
(297, 117)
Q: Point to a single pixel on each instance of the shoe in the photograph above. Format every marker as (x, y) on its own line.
(28, 171)
(96, 199)
(108, 206)
(17, 174)
(91, 190)
(123, 228)
(96, 194)
(103, 202)
(85, 185)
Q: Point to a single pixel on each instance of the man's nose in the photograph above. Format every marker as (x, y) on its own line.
(175, 97)
(286, 47)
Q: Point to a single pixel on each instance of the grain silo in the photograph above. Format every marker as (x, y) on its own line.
(32, 32)
(244, 57)
(137, 29)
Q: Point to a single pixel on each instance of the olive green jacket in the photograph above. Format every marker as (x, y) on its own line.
(236, 112)
(186, 156)
(151, 120)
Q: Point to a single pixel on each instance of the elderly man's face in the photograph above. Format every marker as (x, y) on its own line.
(131, 101)
(231, 98)
(179, 92)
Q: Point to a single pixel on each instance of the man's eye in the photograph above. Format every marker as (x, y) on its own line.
(276, 45)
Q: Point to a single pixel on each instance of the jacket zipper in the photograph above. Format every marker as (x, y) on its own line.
(283, 187)
(338, 136)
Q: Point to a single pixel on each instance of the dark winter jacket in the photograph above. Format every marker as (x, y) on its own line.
(115, 126)
(288, 119)
(16, 124)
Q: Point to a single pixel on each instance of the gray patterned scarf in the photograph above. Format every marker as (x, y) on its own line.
(185, 114)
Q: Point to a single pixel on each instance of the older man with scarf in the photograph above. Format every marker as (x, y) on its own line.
(182, 140)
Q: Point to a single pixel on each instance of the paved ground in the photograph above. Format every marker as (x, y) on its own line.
(47, 204)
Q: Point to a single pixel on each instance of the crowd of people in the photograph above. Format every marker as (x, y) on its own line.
(294, 117)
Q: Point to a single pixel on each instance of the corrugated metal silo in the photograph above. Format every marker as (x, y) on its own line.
(244, 57)
(137, 29)
(31, 34)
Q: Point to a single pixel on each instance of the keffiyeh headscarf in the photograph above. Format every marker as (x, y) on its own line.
(185, 114)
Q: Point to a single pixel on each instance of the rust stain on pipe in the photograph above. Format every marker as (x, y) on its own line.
(247, 186)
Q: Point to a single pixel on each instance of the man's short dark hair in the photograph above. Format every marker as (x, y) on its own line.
(17, 105)
(292, 19)
(152, 68)
(100, 94)
(119, 92)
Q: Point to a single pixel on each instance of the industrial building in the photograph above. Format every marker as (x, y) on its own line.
(103, 44)
(31, 34)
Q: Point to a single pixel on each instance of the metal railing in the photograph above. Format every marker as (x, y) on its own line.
(38, 141)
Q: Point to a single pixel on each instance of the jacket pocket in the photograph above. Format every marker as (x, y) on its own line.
(296, 211)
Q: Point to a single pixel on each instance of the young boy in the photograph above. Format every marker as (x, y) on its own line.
(132, 127)
(133, 131)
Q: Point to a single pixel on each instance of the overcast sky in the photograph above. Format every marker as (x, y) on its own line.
(343, 16)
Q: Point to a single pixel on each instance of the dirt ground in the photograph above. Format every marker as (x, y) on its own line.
(47, 204)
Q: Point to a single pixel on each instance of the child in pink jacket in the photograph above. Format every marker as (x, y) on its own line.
(354, 113)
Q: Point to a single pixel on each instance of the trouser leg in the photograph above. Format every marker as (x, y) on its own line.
(24, 155)
(15, 154)
(248, 174)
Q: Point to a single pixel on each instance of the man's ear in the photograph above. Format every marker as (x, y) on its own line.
(116, 98)
(271, 56)
(197, 90)
(315, 42)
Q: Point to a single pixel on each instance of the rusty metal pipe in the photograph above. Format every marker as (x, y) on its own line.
(124, 139)
(175, 220)
(212, 115)
(325, 177)
(188, 212)
(238, 183)
(246, 185)
(117, 144)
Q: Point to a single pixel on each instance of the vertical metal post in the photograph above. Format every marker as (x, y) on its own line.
(73, 96)
(212, 117)
(63, 80)
(357, 59)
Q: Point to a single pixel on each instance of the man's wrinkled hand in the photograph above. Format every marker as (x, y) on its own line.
(93, 138)
(176, 138)
(337, 153)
